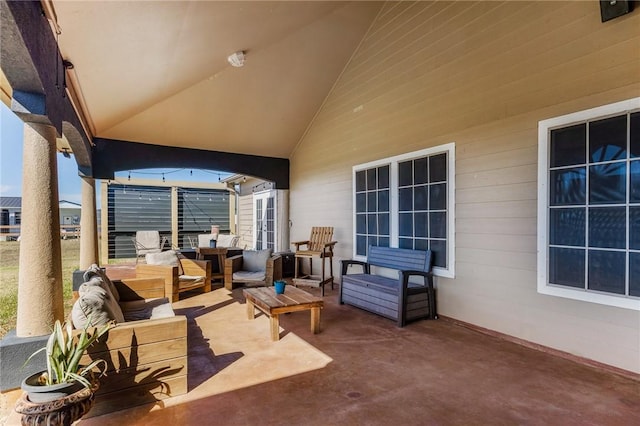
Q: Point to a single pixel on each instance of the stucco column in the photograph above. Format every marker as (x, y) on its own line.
(40, 273)
(88, 224)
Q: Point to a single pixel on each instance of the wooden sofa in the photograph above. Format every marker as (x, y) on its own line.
(147, 358)
(399, 298)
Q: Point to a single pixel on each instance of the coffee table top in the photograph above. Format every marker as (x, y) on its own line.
(266, 298)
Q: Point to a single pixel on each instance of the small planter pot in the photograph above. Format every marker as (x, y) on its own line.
(44, 393)
(280, 286)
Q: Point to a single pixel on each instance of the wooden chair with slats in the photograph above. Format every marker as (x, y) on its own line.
(319, 245)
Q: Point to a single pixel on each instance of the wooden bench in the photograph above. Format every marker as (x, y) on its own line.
(397, 299)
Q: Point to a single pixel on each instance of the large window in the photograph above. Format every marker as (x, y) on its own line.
(589, 205)
(407, 201)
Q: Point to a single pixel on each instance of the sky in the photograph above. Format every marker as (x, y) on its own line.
(11, 132)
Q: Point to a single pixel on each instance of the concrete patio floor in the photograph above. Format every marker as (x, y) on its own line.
(363, 370)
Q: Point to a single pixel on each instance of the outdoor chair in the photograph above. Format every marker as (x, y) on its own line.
(319, 246)
(222, 240)
(253, 268)
(179, 274)
(147, 242)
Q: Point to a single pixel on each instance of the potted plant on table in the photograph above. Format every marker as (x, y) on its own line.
(65, 375)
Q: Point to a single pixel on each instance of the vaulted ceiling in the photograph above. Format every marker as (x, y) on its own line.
(157, 72)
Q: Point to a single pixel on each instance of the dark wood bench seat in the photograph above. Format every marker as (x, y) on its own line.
(399, 298)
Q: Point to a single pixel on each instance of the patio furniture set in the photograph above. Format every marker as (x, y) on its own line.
(147, 351)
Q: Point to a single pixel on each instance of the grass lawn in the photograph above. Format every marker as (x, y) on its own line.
(9, 252)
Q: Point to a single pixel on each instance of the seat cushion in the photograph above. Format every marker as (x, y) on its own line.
(247, 276)
(147, 309)
(165, 258)
(255, 260)
(187, 282)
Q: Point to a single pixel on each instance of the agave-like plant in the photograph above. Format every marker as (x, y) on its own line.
(64, 352)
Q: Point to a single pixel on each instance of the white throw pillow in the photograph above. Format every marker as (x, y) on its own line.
(165, 258)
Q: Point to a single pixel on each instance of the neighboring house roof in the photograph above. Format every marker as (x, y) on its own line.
(16, 203)
(10, 202)
(69, 204)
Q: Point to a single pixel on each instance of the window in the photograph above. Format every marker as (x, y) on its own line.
(407, 201)
(589, 205)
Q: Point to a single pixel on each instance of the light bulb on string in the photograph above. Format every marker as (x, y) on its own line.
(129, 178)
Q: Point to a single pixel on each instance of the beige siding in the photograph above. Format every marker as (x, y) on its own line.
(245, 221)
(481, 75)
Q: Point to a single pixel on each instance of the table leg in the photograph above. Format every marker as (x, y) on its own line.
(315, 320)
(275, 327)
(251, 313)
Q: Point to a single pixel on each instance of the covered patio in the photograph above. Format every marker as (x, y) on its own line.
(422, 125)
(362, 369)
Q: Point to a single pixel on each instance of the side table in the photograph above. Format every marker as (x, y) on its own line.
(217, 255)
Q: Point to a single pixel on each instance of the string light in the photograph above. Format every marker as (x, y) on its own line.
(129, 175)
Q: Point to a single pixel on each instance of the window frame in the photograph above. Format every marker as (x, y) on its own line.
(394, 213)
(544, 131)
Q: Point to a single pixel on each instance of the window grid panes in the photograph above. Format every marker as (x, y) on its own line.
(594, 205)
(422, 205)
(372, 208)
(406, 201)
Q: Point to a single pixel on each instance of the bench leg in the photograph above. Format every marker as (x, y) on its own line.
(315, 320)
(275, 327)
(251, 310)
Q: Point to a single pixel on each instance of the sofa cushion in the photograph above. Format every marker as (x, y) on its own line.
(91, 308)
(247, 276)
(165, 258)
(187, 282)
(95, 271)
(255, 260)
(147, 309)
(110, 303)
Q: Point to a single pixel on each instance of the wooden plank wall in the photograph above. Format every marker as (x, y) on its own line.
(480, 74)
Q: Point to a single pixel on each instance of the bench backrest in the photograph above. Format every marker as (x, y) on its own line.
(401, 259)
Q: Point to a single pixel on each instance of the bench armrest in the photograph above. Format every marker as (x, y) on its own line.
(166, 335)
(428, 277)
(428, 285)
(196, 267)
(347, 263)
(139, 288)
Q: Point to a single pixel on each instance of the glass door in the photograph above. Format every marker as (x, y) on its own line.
(264, 213)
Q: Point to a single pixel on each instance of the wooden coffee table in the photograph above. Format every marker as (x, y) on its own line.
(272, 304)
